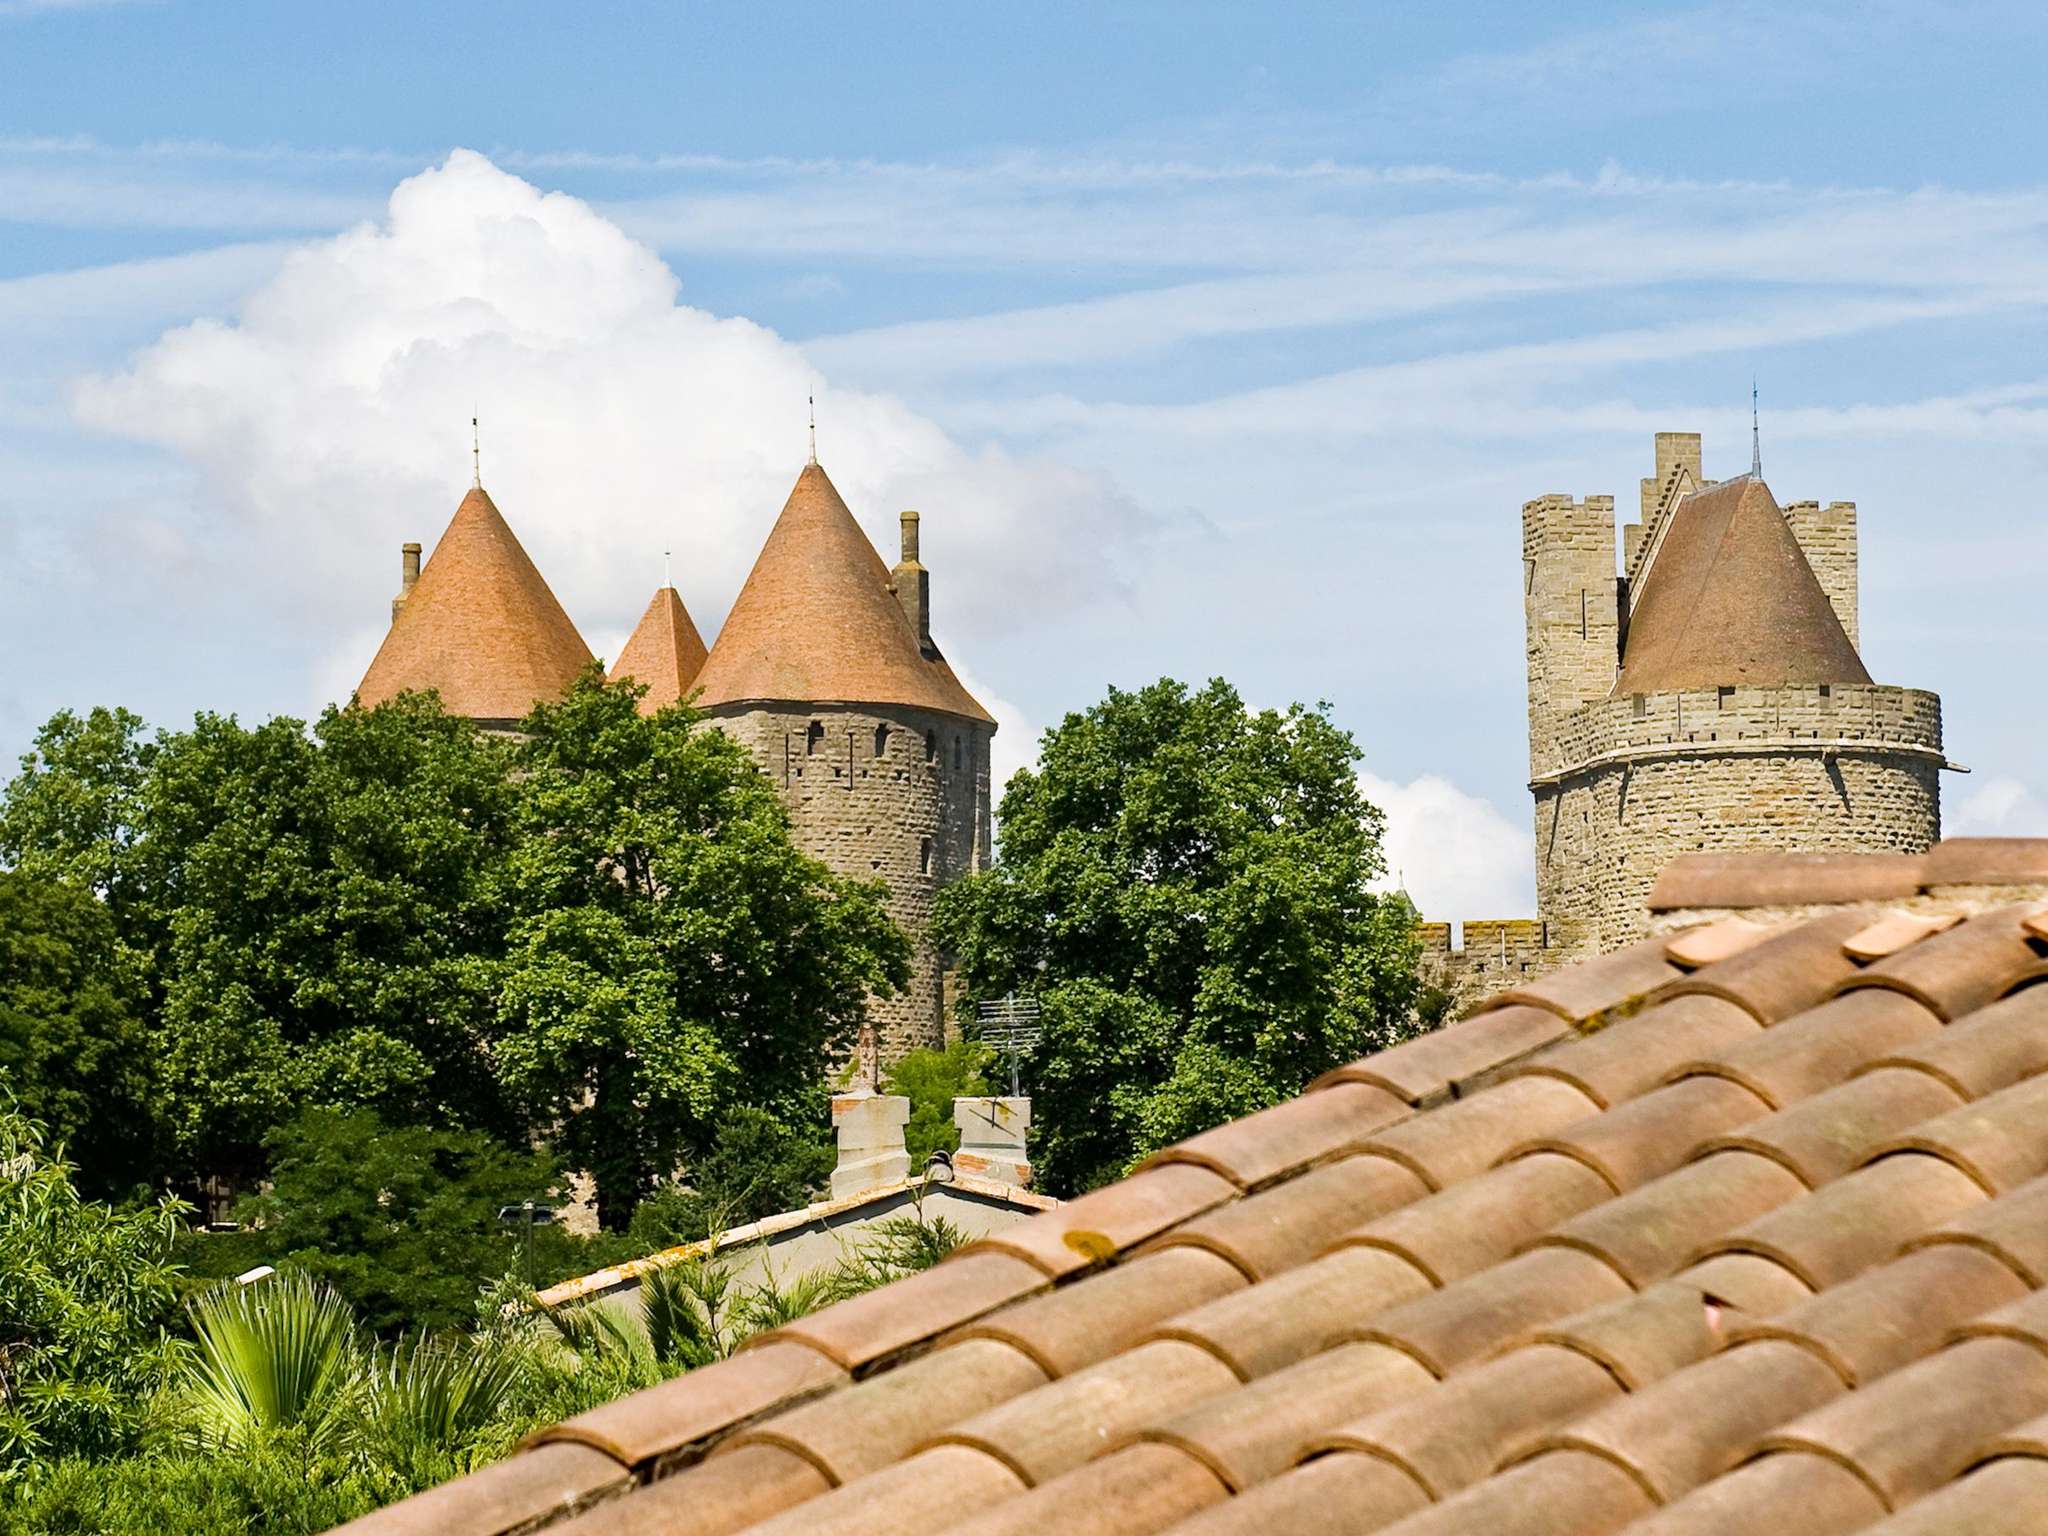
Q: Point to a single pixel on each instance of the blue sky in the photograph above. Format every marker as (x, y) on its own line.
(1210, 339)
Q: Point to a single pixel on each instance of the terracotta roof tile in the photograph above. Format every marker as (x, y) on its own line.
(1972, 964)
(2003, 1498)
(515, 1495)
(1332, 1496)
(480, 626)
(1425, 1070)
(1139, 1488)
(1986, 1050)
(1109, 1221)
(1829, 1501)
(922, 1492)
(1059, 1426)
(1279, 1321)
(1785, 974)
(1828, 1135)
(1547, 1354)
(1565, 1494)
(1687, 1428)
(1712, 943)
(1494, 1309)
(1453, 1435)
(1987, 861)
(1910, 1432)
(1462, 1140)
(1248, 1436)
(672, 1422)
(1729, 599)
(1887, 934)
(1589, 993)
(1820, 1047)
(1705, 881)
(816, 622)
(872, 1329)
(724, 1494)
(1844, 1227)
(882, 1419)
(664, 652)
(1635, 1055)
(1650, 1232)
(1275, 1142)
(1482, 1221)
(1092, 1319)
(1293, 1222)
(1996, 1140)
(1893, 1314)
(2029, 1439)
(2012, 1228)
(1649, 1137)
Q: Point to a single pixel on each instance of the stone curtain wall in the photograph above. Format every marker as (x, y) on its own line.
(914, 815)
(1852, 769)
(1495, 953)
(1570, 602)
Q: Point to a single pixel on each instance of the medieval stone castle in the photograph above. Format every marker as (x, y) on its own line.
(826, 669)
(1706, 695)
(1703, 694)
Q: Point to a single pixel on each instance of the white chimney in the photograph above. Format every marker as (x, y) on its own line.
(992, 1140)
(871, 1151)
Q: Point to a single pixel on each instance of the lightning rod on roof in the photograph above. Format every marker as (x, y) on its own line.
(812, 402)
(476, 455)
(1756, 441)
(667, 577)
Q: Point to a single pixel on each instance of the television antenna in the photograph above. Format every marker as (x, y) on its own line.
(1011, 1026)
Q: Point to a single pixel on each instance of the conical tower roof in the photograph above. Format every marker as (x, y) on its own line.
(816, 622)
(665, 652)
(1729, 600)
(480, 626)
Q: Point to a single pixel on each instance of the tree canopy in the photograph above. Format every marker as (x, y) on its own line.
(1183, 883)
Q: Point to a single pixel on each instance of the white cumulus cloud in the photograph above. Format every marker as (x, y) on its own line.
(1456, 855)
(1999, 807)
(329, 418)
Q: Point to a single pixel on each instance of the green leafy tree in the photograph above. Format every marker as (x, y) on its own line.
(756, 1164)
(72, 1049)
(74, 812)
(402, 1221)
(932, 1080)
(674, 954)
(332, 918)
(86, 1300)
(1183, 886)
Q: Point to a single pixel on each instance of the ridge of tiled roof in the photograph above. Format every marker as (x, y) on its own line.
(665, 653)
(816, 622)
(1738, 1229)
(480, 626)
(1729, 600)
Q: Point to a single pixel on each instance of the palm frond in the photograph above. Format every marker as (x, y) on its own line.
(280, 1354)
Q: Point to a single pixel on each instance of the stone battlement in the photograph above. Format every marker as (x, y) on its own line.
(1495, 953)
(1740, 719)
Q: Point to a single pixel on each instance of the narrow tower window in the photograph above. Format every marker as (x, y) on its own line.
(881, 741)
(814, 738)
(931, 746)
(959, 762)
(924, 857)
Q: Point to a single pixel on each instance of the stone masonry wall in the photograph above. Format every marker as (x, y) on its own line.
(1827, 537)
(1570, 601)
(882, 792)
(1495, 953)
(1725, 770)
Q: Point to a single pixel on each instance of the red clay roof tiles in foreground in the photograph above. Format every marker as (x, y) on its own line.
(1746, 1237)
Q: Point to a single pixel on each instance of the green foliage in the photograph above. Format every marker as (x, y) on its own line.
(932, 1080)
(757, 1164)
(430, 1403)
(72, 1048)
(276, 1355)
(674, 954)
(403, 1221)
(86, 1300)
(75, 811)
(1183, 886)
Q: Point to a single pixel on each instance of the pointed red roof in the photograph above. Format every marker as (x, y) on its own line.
(665, 652)
(480, 626)
(1730, 600)
(816, 622)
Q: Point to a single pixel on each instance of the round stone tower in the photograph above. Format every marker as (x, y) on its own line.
(827, 671)
(1710, 698)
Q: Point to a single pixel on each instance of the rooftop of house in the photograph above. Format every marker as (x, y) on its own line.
(1728, 599)
(1740, 1228)
(664, 653)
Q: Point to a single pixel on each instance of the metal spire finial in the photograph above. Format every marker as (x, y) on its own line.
(667, 576)
(476, 455)
(1756, 441)
(812, 401)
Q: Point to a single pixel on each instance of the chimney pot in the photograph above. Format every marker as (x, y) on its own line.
(912, 584)
(409, 574)
(909, 524)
